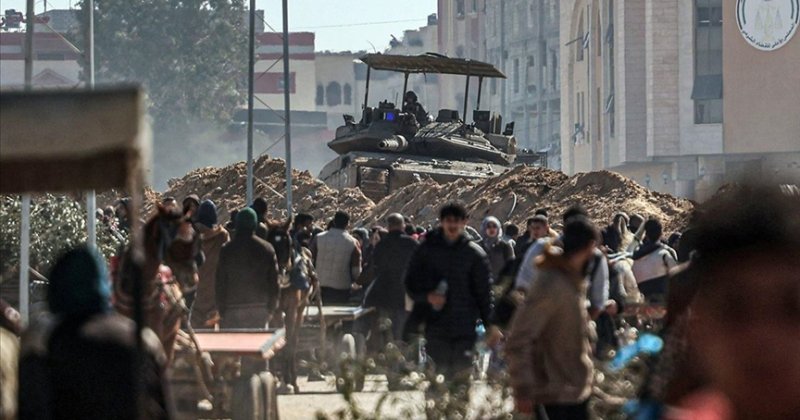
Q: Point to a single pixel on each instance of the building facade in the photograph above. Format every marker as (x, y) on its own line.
(522, 39)
(55, 62)
(671, 94)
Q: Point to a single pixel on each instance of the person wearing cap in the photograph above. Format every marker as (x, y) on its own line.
(213, 237)
(247, 277)
(83, 362)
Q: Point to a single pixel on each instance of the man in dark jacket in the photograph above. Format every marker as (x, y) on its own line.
(389, 262)
(448, 278)
(84, 363)
(247, 277)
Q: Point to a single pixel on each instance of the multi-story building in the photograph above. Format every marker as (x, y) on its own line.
(341, 77)
(460, 35)
(522, 39)
(672, 95)
(55, 61)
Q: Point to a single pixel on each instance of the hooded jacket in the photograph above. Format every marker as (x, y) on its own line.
(247, 273)
(204, 306)
(499, 251)
(548, 349)
(465, 267)
(78, 364)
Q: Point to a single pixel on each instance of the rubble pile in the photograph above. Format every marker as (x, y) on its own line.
(227, 188)
(515, 195)
(512, 196)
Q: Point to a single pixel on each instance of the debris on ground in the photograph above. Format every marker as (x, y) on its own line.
(511, 197)
(515, 195)
(227, 188)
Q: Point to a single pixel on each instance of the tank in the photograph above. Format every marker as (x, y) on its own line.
(388, 148)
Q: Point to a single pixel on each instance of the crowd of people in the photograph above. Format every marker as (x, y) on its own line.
(548, 296)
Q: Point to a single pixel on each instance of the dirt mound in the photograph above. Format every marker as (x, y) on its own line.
(515, 195)
(227, 188)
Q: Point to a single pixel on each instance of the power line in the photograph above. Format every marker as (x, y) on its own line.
(348, 25)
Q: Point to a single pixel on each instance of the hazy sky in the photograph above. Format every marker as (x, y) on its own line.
(339, 24)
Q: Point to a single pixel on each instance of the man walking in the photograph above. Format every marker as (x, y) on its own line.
(652, 262)
(548, 347)
(449, 280)
(247, 277)
(337, 257)
(389, 262)
(212, 236)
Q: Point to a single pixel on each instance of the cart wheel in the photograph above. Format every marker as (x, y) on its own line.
(354, 376)
(270, 396)
(247, 398)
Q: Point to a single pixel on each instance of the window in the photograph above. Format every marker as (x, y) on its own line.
(596, 34)
(50, 56)
(460, 8)
(348, 94)
(516, 75)
(554, 70)
(580, 36)
(474, 6)
(334, 94)
(493, 86)
(707, 90)
(320, 100)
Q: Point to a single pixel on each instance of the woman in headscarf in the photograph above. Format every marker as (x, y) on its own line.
(212, 236)
(83, 363)
(499, 251)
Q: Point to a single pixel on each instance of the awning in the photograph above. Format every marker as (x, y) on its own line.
(431, 63)
(707, 87)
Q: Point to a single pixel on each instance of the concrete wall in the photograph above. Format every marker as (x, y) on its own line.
(761, 92)
(662, 75)
(12, 72)
(305, 85)
(695, 139)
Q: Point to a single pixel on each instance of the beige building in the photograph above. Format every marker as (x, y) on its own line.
(671, 94)
(461, 35)
(55, 62)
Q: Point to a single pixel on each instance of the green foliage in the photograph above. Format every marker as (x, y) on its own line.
(58, 223)
(191, 56)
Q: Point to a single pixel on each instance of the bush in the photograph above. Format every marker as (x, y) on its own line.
(58, 223)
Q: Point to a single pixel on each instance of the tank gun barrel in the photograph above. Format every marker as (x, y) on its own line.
(394, 144)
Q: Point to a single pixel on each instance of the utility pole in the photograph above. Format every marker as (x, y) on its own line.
(250, 81)
(91, 201)
(287, 89)
(504, 82)
(25, 223)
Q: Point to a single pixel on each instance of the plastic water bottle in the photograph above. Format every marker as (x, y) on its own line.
(441, 289)
(482, 362)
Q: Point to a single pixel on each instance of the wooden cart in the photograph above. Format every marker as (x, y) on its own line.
(225, 392)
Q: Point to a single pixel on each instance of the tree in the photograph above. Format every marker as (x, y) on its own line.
(190, 55)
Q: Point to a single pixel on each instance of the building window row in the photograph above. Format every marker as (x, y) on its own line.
(707, 90)
(335, 93)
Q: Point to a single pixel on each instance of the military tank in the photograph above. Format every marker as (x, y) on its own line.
(389, 148)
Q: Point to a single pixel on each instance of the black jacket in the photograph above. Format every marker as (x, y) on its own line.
(388, 267)
(465, 266)
(247, 273)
